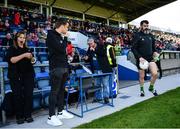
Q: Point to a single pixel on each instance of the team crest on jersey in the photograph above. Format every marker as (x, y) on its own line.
(61, 41)
(142, 39)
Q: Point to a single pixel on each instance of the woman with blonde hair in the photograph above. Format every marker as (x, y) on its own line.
(21, 76)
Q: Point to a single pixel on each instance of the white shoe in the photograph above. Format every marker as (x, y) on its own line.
(64, 115)
(54, 121)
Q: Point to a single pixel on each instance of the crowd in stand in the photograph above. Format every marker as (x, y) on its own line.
(36, 25)
(168, 42)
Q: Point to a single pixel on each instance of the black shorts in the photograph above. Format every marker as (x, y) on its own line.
(149, 60)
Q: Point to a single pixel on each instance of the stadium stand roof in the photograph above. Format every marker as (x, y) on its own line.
(118, 10)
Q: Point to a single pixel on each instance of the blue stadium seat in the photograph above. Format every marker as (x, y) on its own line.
(42, 75)
(1, 58)
(43, 86)
(3, 64)
(42, 83)
(80, 71)
(30, 44)
(81, 52)
(45, 62)
(42, 56)
(46, 68)
(37, 69)
(37, 100)
(45, 96)
(6, 75)
(125, 51)
(7, 88)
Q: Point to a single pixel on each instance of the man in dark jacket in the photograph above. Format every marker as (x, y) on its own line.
(97, 56)
(57, 43)
(144, 50)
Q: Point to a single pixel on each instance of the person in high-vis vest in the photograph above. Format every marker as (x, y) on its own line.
(117, 49)
(110, 52)
(111, 56)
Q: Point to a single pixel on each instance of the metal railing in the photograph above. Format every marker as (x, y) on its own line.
(170, 54)
(35, 50)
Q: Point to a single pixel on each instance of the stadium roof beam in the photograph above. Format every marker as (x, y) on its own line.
(117, 10)
(89, 8)
(54, 1)
(113, 14)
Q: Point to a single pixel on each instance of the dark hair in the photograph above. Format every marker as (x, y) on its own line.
(69, 42)
(16, 37)
(61, 21)
(144, 21)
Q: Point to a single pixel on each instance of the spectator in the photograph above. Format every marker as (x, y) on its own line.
(7, 25)
(42, 36)
(21, 75)
(69, 48)
(34, 38)
(2, 26)
(8, 41)
(14, 33)
(17, 17)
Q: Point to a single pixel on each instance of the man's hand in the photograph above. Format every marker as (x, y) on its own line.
(142, 60)
(92, 49)
(155, 54)
(66, 35)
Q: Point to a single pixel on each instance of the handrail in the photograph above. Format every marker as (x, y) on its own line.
(28, 47)
(168, 51)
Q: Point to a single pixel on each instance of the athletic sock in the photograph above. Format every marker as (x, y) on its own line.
(151, 87)
(142, 88)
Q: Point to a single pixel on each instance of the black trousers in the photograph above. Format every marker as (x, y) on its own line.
(22, 89)
(58, 77)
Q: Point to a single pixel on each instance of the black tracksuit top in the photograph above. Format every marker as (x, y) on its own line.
(143, 45)
(57, 50)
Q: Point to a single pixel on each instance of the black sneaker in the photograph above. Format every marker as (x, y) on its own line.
(20, 121)
(142, 94)
(155, 93)
(29, 119)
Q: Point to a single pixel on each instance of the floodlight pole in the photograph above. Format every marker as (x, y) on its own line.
(41, 8)
(5, 3)
(50, 10)
(47, 12)
(108, 22)
(84, 18)
(119, 23)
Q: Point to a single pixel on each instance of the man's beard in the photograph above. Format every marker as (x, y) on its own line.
(146, 31)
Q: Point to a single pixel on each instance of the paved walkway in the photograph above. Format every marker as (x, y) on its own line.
(128, 96)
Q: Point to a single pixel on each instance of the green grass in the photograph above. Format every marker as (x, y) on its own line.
(158, 112)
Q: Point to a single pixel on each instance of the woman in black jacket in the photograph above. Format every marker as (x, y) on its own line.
(21, 76)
